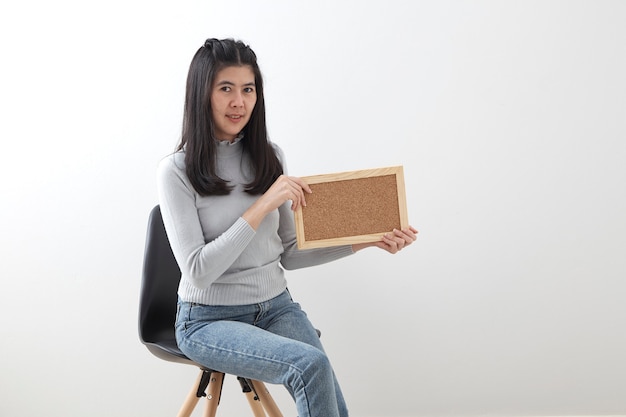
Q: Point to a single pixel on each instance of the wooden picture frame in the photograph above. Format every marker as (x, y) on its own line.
(352, 207)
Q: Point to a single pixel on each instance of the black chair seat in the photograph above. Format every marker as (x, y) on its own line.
(168, 350)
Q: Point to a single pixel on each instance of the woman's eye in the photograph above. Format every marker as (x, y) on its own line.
(248, 90)
(225, 89)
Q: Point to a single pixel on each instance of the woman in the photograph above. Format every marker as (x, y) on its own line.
(227, 207)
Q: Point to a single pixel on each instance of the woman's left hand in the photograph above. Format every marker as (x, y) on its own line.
(398, 239)
(394, 241)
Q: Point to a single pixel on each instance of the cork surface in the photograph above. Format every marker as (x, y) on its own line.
(352, 207)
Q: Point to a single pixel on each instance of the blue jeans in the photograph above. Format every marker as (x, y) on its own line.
(272, 341)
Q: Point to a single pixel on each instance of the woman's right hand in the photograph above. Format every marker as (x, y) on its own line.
(284, 189)
(287, 188)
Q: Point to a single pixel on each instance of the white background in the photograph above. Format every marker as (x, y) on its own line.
(508, 116)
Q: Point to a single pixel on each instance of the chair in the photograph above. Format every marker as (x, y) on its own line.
(157, 314)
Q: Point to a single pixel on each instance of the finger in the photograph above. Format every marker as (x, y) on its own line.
(411, 231)
(298, 194)
(400, 243)
(401, 237)
(302, 184)
(390, 242)
(285, 191)
(409, 234)
(300, 187)
(294, 193)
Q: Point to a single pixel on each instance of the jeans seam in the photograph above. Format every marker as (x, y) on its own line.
(247, 355)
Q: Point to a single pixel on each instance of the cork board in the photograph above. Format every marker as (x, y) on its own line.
(351, 207)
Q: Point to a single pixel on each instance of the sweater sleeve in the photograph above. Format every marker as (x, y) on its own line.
(199, 261)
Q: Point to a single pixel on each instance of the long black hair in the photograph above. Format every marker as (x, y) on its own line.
(197, 138)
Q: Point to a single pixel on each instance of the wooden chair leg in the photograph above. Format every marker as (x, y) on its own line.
(192, 399)
(259, 398)
(253, 400)
(266, 399)
(214, 392)
(255, 405)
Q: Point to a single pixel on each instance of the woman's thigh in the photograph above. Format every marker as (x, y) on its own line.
(267, 343)
(290, 321)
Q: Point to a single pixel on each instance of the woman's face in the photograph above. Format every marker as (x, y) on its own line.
(233, 96)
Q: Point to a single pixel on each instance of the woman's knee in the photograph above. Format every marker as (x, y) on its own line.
(315, 362)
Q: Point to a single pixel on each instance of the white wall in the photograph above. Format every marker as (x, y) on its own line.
(509, 118)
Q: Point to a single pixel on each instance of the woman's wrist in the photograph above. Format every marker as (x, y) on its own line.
(255, 214)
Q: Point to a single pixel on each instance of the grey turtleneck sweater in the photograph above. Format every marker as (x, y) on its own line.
(223, 260)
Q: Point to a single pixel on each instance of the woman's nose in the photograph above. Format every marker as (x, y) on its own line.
(237, 100)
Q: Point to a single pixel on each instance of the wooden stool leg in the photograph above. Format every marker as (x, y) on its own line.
(214, 391)
(191, 401)
(253, 401)
(255, 405)
(266, 399)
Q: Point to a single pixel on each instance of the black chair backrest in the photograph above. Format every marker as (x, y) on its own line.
(160, 279)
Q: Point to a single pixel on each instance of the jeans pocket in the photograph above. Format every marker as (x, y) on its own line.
(183, 310)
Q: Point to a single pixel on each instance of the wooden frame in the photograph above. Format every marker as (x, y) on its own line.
(352, 207)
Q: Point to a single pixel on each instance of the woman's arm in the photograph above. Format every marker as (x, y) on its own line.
(200, 262)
